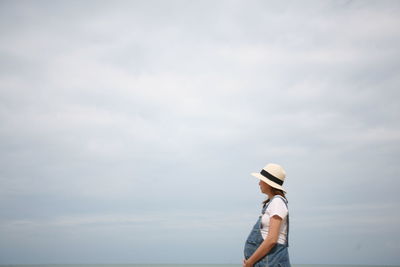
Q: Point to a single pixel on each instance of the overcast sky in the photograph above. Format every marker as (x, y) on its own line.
(129, 129)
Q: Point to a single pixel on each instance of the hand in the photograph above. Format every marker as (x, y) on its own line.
(247, 263)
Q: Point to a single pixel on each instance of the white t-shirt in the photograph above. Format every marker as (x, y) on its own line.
(276, 207)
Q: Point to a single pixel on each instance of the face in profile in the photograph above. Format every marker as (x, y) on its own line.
(264, 187)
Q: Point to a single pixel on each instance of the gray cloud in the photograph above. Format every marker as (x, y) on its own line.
(158, 111)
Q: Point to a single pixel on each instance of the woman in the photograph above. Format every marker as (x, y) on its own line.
(268, 241)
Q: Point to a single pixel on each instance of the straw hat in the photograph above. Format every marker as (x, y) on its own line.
(273, 174)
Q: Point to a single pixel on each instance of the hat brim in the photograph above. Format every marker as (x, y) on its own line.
(271, 183)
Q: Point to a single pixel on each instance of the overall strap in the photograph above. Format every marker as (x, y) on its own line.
(287, 233)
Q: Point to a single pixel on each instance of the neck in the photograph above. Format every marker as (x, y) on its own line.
(270, 195)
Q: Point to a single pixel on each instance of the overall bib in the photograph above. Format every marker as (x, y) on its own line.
(278, 256)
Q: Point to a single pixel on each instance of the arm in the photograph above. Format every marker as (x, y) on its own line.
(269, 242)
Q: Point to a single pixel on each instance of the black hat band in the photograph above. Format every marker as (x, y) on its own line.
(271, 177)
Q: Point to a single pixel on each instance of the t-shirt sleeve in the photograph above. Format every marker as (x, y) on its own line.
(277, 207)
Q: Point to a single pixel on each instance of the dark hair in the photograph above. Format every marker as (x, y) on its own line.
(274, 191)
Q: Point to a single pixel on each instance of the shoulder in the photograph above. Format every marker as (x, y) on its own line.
(278, 202)
(279, 199)
(277, 207)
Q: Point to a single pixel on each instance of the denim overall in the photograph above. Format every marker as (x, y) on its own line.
(278, 256)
